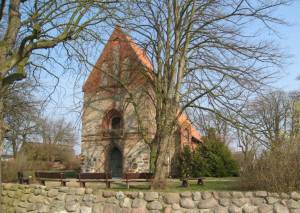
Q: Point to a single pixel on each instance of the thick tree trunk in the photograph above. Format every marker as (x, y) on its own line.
(162, 164)
(164, 139)
(153, 155)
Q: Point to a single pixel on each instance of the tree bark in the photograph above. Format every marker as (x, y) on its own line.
(164, 139)
(161, 164)
(2, 131)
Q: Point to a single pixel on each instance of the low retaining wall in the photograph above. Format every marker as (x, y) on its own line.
(35, 198)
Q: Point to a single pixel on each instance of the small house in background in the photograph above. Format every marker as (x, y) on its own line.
(118, 119)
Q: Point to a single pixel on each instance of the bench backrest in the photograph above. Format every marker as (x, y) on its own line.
(53, 175)
(94, 175)
(143, 175)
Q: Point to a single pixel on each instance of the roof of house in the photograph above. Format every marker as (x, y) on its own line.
(184, 121)
(93, 80)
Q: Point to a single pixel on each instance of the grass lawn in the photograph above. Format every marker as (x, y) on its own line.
(174, 185)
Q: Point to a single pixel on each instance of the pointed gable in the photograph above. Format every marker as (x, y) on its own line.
(119, 47)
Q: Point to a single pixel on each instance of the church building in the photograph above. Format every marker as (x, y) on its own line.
(118, 120)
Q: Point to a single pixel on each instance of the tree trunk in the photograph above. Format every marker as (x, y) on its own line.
(161, 164)
(153, 155)
(14, 147)
(164, 139)
(2, 131)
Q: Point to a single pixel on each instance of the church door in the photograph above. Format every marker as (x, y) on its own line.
(115, 163)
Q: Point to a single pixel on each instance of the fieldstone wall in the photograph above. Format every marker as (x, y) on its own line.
(36, 198)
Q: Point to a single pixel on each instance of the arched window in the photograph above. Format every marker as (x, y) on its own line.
(116, 122)
(112, 120)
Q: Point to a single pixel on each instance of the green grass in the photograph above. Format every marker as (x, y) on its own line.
(211, 184)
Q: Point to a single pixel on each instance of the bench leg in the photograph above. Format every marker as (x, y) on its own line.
(200, 182)
(63, 183)
(108, 184)
(43, 182)
(185, 183)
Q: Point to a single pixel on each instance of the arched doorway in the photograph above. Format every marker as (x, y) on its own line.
(115, 163)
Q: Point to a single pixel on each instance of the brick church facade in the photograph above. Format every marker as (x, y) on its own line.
(118, 107)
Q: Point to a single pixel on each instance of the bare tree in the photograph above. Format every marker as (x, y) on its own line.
(32, 31)
(55, 134)
(21, 113)
(273, 117)
(203, 56)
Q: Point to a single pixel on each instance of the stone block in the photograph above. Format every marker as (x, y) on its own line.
(292, 204)
(138, 210)
(150, 196)
(240, 202)
(279, 208)
(175, 206)
(154, 205)
(187, 203)
(224, 202)
(261, 194)
(52, 192)
(85, 209)
(271, 200)
(197, 196)
(138, 203)
(264, 208)
(221, 209)
(237, 194)
(186, 194)
(171, 198)
(295, 195)
(224, 195)
(72, 206)
(207, 204)
(80, 191)
(234, 209)
(109, 194)
(257, 201)
(97, 208)
(206, 195)
(250, 209)
(120, 195)
(284, 195)
(125, 203)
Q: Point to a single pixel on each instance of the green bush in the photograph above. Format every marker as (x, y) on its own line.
(213, 158)
(218, 158)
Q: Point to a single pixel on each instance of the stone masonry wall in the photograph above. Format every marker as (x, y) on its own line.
(36, 198)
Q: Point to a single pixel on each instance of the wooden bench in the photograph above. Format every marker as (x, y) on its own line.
(95, 177)
(22, 179)
(185, 181)
(137, 177)
(42, 177)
